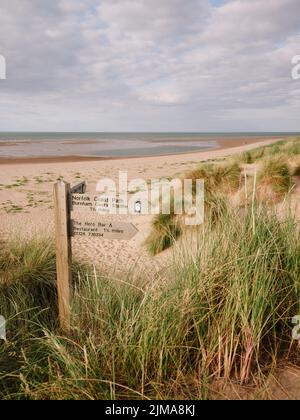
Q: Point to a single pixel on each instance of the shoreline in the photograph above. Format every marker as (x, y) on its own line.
(26, 197)
(224, 144)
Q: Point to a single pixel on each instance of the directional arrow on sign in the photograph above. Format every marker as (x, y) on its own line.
(79, 188)
(103, 230)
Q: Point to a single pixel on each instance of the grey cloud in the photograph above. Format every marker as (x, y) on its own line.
(149, 65)
(155, 20)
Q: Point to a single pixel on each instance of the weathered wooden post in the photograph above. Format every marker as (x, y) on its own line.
(62, 214)
(65, 199)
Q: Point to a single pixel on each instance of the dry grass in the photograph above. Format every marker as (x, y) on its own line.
(217, 177)
(289, 148)
(268, 181)
(223, 312)
(221, 177)
(274, 179)
(165, 230)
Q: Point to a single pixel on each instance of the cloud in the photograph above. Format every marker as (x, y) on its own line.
(155, 21)
(149, 65)
(253, 21)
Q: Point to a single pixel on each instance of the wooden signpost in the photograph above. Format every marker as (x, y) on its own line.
(62, 217)
(65, 198)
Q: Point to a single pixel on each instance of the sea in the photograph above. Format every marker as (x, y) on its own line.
(112, 145)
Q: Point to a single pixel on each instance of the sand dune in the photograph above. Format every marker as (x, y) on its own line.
(26, 200)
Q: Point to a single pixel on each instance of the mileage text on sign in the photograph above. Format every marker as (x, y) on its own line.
(105, 230)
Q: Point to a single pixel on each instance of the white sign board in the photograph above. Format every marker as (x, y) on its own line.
(103, 230)
(97, 203)
(83, 202)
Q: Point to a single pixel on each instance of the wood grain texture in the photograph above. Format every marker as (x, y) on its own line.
(63, 251)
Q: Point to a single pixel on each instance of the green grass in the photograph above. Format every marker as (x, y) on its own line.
(222, 311)
(217, 177)
(11, 208)
(165, 230)
(289, 148)
(28, 270)
(292, 148)
(224, 179)
(275, 173)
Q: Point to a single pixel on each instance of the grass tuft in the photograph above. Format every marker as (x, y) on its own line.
(217, 177)
(165, 230)
(275, 174)
(224, 311)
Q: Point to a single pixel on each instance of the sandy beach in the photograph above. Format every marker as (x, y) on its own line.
(219, 144)
(150, 203)
(26, 205)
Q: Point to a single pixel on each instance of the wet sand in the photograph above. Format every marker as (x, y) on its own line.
(222, 144)
(26, 201)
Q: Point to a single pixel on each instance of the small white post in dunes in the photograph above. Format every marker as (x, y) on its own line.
(63, 251)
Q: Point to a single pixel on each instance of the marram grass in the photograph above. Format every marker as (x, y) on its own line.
(165, 230)
(276, 175)
(271, 177)
(218, 180)
(289, 148)
(224, 311)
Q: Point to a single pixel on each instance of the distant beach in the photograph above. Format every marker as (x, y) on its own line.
(27, 184)
(70, 147)
(26, 210)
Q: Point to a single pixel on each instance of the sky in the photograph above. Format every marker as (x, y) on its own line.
(149, 65)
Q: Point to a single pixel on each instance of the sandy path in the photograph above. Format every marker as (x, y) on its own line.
(26, 201)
